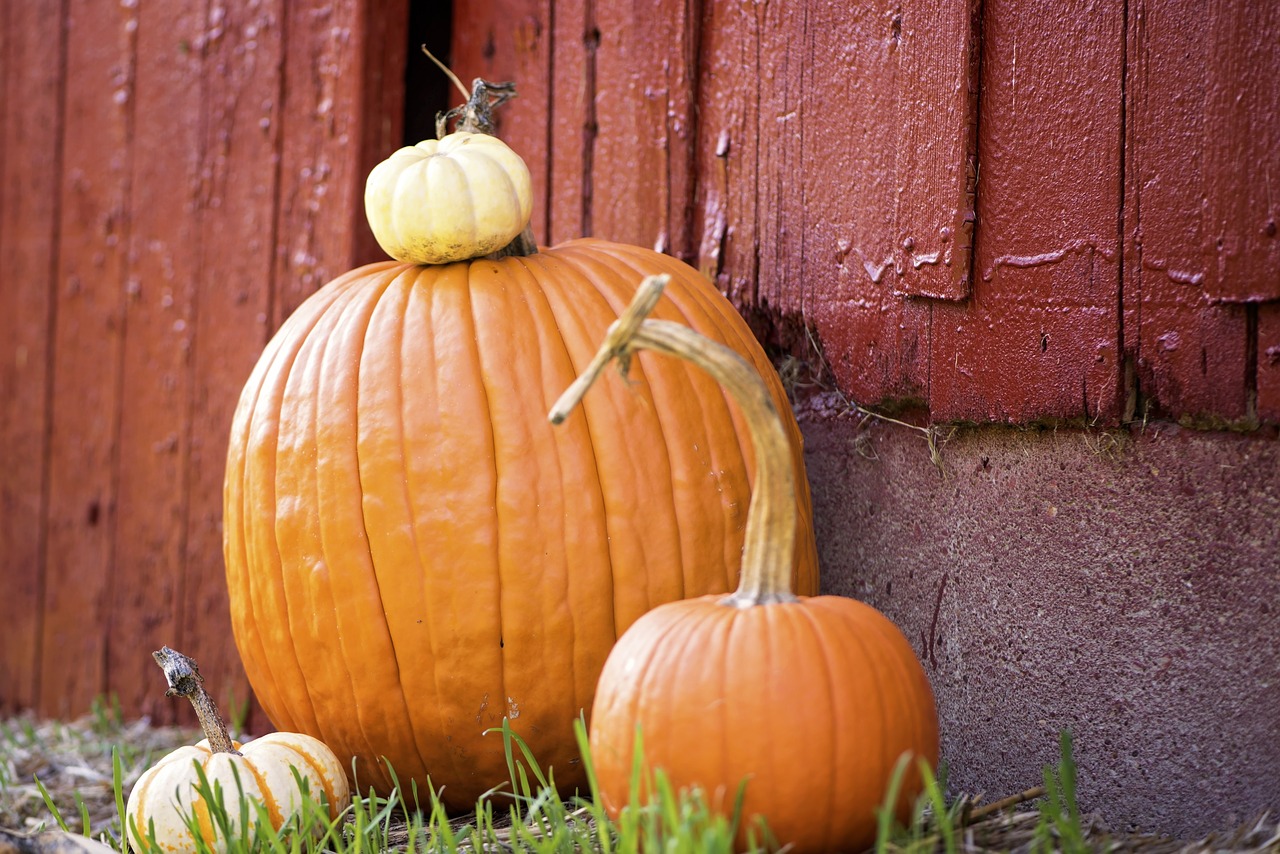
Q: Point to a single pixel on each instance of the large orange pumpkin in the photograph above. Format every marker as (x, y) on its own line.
(413, 553)
(809, 701)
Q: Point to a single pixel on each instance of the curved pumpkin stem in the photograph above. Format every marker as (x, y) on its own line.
(476, 116)
(769, 547)
(185, 680)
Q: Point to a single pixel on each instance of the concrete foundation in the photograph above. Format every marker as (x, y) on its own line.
(1123, 585)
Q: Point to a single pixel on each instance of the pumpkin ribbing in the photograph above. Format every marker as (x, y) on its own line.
(808, 701)
(413, 553)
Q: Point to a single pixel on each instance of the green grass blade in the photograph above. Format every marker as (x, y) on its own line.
(50, 805)
(886, 815)
(942, 817)
(84, 816)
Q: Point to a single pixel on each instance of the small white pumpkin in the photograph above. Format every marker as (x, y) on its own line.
(261, 771)
(450, 199)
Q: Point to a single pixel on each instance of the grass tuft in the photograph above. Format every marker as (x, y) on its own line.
(51, 773)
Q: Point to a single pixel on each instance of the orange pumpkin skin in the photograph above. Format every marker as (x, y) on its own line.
(826, 695)
(413, 552)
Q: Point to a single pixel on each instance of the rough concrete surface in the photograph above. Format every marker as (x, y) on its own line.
(1122, 585)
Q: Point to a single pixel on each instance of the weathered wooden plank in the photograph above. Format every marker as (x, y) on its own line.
(765, 191)
(512, 40)
(1188, 354)
(32, 53)
(1240, 61)
(642, 153)
(875, 341)
(728, 149)
(1040, 338)
(163, 99)
(379, 34)
(937, 118)
(1268, 367)
(93, 232)
(571, 120)
(322, 169)
(240, 140)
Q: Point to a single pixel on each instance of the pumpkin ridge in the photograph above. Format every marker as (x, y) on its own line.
(269, 801)
(902, 655)
(234, 543)
(872, 676)
(235, 548)
(425, 291)
(817, 638)
(567, 322)
(476, 355)
(351, 584)
(405, 292)
(319, 773)
(728, 322)
(543, 324)
(626, 549)
(639, 705)
(682, 299)
(402, 289)
(562, 306)
(744, 459)
(686, 633)
(254, 535)
(300, 596)
(446, 291)
(617, 291)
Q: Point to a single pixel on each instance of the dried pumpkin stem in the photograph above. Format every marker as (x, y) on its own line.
(476, 116)
(185, 680)
(769, 547)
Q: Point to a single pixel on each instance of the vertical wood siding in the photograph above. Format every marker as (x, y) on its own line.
(177, 177)
(1124, 264)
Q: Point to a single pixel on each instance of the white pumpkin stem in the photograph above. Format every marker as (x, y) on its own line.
(183, 676)
(448, 72)
(770, 540)
(476, 116)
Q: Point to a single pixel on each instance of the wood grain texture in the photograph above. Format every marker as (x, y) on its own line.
(1040, 337)
(875, 340)
(32, 54)
(1267, 372)
(151, 171)
(833, 162)
(571, 121)
(1188, 352)
(160, 283)
(94, 229)
(1240, 64)
(512, 40)
(326, 107)
(645, 77)
(241, 133)
(937, 116)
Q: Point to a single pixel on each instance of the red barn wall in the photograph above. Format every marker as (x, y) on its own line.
(177, 177)
(1047, 231)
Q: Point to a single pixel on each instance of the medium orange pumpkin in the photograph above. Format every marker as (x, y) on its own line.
(810, 701)
(413, 553)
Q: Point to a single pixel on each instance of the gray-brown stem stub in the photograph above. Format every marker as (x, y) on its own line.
(183, 675)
